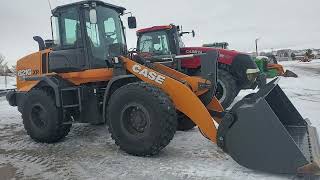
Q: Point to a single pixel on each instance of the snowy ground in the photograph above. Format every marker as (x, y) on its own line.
(11, 82)
(88, 152)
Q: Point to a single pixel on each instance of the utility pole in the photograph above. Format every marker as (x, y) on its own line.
(5, 76)
(257, 53)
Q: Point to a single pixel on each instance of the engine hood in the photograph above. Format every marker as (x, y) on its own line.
(226, 56)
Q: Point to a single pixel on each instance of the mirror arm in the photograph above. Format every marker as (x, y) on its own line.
(183, 33)
(127, 13)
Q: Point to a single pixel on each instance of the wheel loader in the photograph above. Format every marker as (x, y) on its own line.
(87, 75)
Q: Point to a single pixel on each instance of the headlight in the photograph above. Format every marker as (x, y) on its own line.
(252, 74)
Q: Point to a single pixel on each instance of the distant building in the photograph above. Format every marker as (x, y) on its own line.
(262, 54)
(284, 55)
(252, 54)
(316, 53)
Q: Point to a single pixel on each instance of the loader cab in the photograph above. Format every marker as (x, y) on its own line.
(159, 40)
(86, 35)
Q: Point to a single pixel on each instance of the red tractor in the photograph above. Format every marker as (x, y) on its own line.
(236, 70)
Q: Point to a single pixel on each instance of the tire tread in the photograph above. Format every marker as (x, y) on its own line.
(168, 123)
(59, 131)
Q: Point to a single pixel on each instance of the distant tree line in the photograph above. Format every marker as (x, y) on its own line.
(4, 68)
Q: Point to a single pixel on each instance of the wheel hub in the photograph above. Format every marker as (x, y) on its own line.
(38, 116)
(138, 119)
(135, 119)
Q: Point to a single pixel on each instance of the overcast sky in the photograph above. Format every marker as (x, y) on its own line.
(278, 23)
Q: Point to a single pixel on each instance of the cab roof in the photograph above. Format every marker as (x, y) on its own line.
(98, 2)
(154, 28)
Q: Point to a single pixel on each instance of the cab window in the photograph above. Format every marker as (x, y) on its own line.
(106, 37)
(93, 34)
(70, 28)
(110, 31)
(155, 43)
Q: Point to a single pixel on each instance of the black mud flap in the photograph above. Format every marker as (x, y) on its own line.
(11, 98)
(266, 132)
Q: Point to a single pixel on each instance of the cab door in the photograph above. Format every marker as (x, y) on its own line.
(69, 53)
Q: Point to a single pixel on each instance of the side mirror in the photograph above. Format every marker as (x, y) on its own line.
(93, 16)
(193, 33)
(178, 28)
(132, 22)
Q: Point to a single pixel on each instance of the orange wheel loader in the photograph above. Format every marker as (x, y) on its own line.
(86, 75)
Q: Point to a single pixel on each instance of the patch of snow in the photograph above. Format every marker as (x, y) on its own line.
(11, 82)
(88, 152)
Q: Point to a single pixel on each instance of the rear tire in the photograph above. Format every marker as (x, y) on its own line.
(185, 123)
(142, 119)
(227, 88)
(42, 119)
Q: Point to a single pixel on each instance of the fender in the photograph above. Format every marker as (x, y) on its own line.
(51, 81)
(107, 92)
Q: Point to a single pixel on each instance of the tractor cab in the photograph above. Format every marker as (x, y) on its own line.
(86, 35)
(160, 40)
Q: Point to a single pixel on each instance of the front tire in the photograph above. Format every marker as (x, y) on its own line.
(42, 119)
(142, 119)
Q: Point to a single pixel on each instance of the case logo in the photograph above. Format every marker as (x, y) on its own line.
(193, 51)
(153, 76)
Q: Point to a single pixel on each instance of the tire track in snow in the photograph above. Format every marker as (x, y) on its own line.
(18, 147)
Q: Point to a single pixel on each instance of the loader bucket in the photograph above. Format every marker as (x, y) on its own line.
(289, 73)
(266, 132)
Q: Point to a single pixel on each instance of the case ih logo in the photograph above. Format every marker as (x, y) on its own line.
(193, 52)
(153, 76)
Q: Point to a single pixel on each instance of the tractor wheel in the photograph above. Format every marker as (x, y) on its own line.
(184, 123)
(42, 119)
(142, 119)
(227, 88)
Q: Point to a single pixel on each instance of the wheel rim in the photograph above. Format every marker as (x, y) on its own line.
(221, 91)
(38, 116)
(135, 119)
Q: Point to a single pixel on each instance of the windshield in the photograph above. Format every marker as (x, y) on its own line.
(155, 43)
(106, 38)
